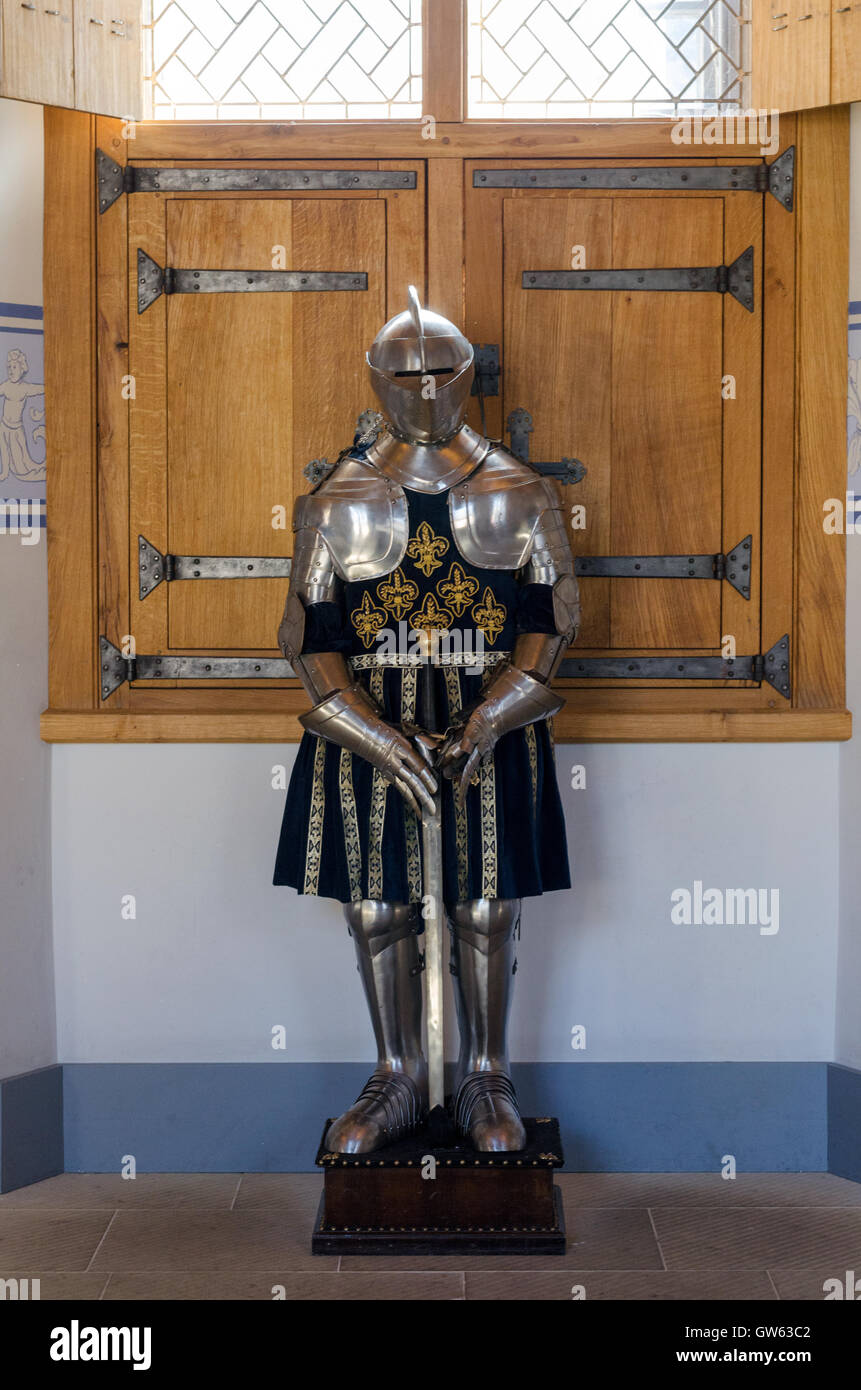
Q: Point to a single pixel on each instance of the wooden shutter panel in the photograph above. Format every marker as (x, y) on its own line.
(805, 53)
(630, 378)
(845, 51)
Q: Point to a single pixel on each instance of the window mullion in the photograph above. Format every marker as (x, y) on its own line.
(444, 65)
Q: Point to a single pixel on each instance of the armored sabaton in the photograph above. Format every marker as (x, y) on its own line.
(427, 527)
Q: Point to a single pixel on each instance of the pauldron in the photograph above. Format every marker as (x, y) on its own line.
(362, 519)
(505, 511)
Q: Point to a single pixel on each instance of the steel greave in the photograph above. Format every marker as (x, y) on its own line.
(394, 1100)
(389, 963)
(483, 964)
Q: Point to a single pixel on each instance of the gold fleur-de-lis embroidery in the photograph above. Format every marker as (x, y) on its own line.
(425, 549)
(367, 620)
(430, 616)
(458, 590)
(490, 616)
(398, 594)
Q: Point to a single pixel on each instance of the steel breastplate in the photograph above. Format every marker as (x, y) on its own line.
(434, 589)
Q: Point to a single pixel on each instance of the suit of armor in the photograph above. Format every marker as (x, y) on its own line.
(429, 529)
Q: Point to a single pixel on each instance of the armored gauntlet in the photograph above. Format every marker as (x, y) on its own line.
(519, 693)
(348, 718)
(513, 699)
(344, 712)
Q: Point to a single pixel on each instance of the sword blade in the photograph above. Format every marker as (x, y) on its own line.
(433, 895)
(433, 921)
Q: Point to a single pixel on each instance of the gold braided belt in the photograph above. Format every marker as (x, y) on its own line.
(374, 660)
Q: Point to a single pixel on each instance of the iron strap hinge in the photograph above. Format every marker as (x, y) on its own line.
(734, 567)
(735, 279)
(155, 280)
(115, 668)
(777, 178)
(112, 180)
(773, 667)
(155, 568)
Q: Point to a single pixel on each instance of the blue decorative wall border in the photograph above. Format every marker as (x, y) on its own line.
(31, 311)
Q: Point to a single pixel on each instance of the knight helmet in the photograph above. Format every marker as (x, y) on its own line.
(421, 369)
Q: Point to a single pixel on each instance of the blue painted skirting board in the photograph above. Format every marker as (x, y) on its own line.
(615, 1117)
(31, 1127)
(267, 1117)
(844, 1122)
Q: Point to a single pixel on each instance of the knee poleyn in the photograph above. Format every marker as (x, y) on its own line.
(377, 925)
(486, 924)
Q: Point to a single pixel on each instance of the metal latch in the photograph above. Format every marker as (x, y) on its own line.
(486, 360)
(520, 426)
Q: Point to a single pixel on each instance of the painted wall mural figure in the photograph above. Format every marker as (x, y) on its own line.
(15, 392)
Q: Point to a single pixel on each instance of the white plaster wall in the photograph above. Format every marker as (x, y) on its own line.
(27, 1033)
(216, 956)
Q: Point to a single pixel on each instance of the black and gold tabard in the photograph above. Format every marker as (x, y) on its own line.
(346, 833)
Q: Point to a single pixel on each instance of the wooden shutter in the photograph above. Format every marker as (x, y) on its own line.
(805, 53)
(620, 377)
(845, 51)
(658, 393)
(86, 53)
(235, 393)
(37, 52)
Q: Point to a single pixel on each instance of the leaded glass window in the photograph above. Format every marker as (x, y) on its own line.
(284, 59)
(606, 58)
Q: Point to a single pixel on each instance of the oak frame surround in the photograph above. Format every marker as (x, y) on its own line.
(804, 355)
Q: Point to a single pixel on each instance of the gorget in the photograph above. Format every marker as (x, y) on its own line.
(429, 467)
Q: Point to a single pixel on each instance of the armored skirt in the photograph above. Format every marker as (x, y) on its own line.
(346, 833)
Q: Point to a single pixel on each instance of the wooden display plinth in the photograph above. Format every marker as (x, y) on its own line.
(433, 1195)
